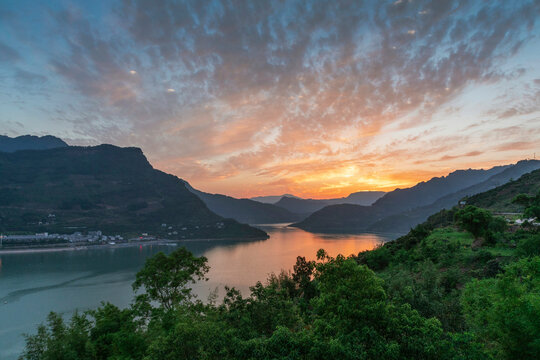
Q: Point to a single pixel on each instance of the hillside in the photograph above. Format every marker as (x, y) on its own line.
(102, 188)
(425, 193)
(500, 198)
(300, 206)
(406, 220)
(340, 218)
(30, 142)
(484, 283)
(463, 285)
(398, 210)
(308, 206)
(245, 210)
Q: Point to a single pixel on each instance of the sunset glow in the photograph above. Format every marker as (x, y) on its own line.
(314, 99)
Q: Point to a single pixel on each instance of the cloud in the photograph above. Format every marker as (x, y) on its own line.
(298, 89)
(8, 54)
(461, 156)
(29, 77)
(518, 145)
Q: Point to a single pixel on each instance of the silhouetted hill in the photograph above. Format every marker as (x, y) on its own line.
(102, 188)
(388, 214)
(245, 210)
(308, 206)
(271, 199)
(30, 142)
(406, 220)
(425, 193)
(301, 206)
(340, 218)
(365, 198)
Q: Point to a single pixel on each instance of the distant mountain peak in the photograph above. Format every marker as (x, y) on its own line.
(30, 142)
(272, 199)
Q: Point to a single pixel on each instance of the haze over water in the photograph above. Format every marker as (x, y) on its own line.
(33, 284)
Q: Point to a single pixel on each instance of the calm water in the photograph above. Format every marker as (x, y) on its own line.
(33, 284)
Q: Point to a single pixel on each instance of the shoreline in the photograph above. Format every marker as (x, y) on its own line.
(29, 250)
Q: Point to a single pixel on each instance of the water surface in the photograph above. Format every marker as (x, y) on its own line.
(33, 284)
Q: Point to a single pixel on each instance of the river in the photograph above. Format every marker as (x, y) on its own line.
(33, 284)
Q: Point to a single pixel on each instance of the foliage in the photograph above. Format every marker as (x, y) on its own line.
(474, 219)
(530, 203)
(436, 293)
(330, 308)
(505, 311)
(166, 278)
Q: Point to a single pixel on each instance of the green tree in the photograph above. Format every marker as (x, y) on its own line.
(60, 341)
(505, 311)
(532, 211)
(302, 276)
(166, 278)
(522, 199)
(531, 204)
(474, 219)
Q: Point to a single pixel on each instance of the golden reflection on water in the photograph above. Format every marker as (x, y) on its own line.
(243, 264)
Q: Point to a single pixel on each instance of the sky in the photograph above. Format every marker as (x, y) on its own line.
(246, 98)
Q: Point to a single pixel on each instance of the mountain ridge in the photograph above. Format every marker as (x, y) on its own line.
(30, 142)
(411, 218)
(307, 206)
(103, 188)
(384, 214)
(245, 210)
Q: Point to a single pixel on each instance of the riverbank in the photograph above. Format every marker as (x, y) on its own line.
(113, 246)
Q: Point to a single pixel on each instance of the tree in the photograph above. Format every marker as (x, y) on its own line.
(58, 340)
(474, 219)
(521, 199)
(531, 204)
(166, 278)
(505, 312)
(532, 211)
(302, 276)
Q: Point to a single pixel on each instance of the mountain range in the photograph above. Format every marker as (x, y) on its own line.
(106, 188)
(401, 209)
(246, 210)
(308, 206)
(116, 188)
(288, 208)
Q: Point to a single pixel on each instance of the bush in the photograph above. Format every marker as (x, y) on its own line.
(505, 311)
(376, 259)
(529, 246)
(474, 220)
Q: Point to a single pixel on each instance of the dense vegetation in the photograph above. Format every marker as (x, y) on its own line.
(436, 293)
(463, 285)
(332, 308)
(482, 281)
(105, 188)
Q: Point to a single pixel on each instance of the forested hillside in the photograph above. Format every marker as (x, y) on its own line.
(102, 188)
(463, 285)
